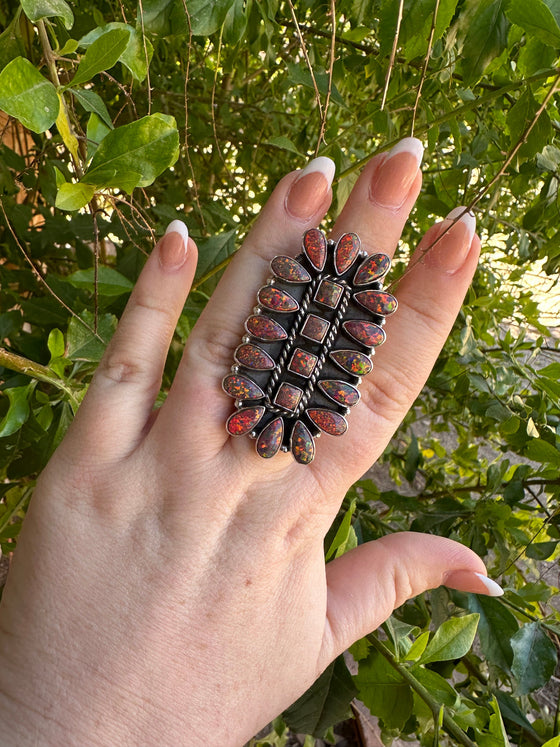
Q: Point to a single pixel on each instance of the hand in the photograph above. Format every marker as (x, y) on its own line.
(168, 580)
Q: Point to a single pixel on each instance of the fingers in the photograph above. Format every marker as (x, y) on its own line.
(117, 407)
(367, 584)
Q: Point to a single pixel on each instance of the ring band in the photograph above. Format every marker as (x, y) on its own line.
(308, 343)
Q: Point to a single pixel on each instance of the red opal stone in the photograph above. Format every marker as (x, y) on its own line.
(290, 270)
(315, 328)
(328, 421)
(252, 356)
(378, 302)
(346, 252)
(367, 333)
(302, 443)
(277, 300)
(328, 294)
(339, 391)
(302, 363)
(373, 268)
(288, 396)
(241, 387)
(265, 329)
(243, 421)
(352, 361)
(270, 439)
(315, 248)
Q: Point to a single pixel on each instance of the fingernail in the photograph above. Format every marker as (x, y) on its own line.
(456, 231)
(172, 249)
(477, 583)
(310, 189)
(394, 176)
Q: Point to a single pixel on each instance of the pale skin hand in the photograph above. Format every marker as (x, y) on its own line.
(169, 585)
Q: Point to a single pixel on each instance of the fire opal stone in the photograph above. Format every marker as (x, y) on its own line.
(302, 363)
(253, 357)
(328, 421)
(243, 421)
(352, 361)
(270, 439)
(378, 302)
(241, 387)
(277, 300)
(340, 391)
(288, 396)
(328, 294)
(372, 269)
(290, 270)
(315, 248)
(315, 328)
(303, 445)
(367, 333)
(346, 252)
(265, 329)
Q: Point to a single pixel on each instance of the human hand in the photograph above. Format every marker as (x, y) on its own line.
(167, 578)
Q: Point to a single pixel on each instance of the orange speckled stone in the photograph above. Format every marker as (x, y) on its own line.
(290, 270)
(302, 444)
(277, 300)
(378, 302)
(339, 391)
(241, 387)
(367, 333)
(288, 396)
(302, 363)
(265, 329)
(328, 294)
(351, 361)
(346, 251)
(253, 357)
(373, 268)
(315, 248)
(328, 421)
(270, 439)
(315, 328)
(243, 421)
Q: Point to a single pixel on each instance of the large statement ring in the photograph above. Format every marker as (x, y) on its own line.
(309, 341)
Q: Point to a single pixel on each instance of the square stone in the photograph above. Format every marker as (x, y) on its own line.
(328, 294)
(315, 328)
(302, 363)
(288, 397)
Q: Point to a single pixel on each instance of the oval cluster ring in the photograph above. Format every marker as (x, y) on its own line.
(307, 345)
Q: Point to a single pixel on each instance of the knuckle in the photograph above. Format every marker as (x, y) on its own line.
(215, 347)
(389, 395)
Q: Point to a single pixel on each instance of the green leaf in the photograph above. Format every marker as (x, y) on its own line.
(518, 119)
(73, 195)
(138, 52)
(486, 39)
(27, 96)
(214, 250)
(345, 537)
(534, 658)
(134, 155)
(439, 687)
(83, 344)
(283, 143)
(109, 281)
(55, 343)
(539, 450)
(554, 742)
(541, 550)
(497, 625)
(383, 691)
(18, 411)
(37, 9)
(207, 16)
(325, 703)
(101, 55)
(452, 640)
(92, 102)
(418, 647)
(536, 19)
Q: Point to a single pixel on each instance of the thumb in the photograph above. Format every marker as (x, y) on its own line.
(367, 584)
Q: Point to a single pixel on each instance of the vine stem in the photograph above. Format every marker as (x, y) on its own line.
(393, 55)
(424, 69)
(37, 371)
(449, 724)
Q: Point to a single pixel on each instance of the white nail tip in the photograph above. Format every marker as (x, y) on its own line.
(177, 226)
(494, 589)
(465, 217)
(323, 165)
(408, 145)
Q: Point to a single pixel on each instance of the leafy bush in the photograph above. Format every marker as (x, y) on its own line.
(119, 118)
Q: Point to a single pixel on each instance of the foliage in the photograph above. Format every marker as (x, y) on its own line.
(123, 117)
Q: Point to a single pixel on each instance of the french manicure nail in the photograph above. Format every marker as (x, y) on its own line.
(394, 176)
(477, 583)
(172, 249)
(308, 192)
(456, 231)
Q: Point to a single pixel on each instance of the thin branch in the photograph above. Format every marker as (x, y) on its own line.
(321, 137)
(148, 83)
(22, 365)
(424, 68)
(393, 54)
(306, 57)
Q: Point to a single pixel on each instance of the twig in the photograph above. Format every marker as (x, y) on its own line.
(424, 68)
(393, 54)
(148, 83)
(306, 57)
(330, 80)
(22, 365)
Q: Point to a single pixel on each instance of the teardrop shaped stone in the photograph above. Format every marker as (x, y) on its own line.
(302, 444)
(378, 302)
(243, 421)
(290, 270)
(315, 247)
(265, 329)
(270, 438)
(352, 361)
(276, 299)
(241, 387)
(372, 268)
(346, 252)
(328, 421)
(253, 357)
(339, 391)
(368, 333)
